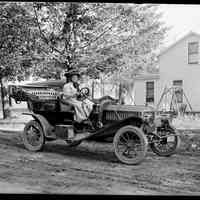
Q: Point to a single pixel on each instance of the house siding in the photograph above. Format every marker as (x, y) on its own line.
(173, 65)
(139, 91)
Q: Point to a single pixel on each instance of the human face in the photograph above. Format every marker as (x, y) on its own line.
(74, 78)
(83, 78)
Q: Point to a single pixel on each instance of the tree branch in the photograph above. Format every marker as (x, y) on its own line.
(119, 43)
(95, 8)
(102, 25)
(114, 18)
(94, 40)
(43, 36)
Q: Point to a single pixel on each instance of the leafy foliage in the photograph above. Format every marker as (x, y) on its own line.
(45, 38)
(139, 41)
(15, 35)
(100, 37)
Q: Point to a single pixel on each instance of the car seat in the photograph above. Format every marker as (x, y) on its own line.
(65, 106)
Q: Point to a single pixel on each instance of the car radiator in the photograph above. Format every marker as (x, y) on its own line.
(119, 115)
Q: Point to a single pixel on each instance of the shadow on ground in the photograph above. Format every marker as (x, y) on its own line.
(86, 150)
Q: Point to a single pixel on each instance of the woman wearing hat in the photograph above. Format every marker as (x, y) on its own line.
(71, 92)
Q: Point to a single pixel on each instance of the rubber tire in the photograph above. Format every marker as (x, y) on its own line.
(168, 153)
(24, 138)
(142, 137)
(73, 144)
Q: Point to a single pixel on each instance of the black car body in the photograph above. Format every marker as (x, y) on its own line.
(55, 120)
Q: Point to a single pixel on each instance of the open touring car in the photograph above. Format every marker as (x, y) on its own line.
(132, 128)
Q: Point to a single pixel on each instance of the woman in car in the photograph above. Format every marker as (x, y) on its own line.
(71, 93)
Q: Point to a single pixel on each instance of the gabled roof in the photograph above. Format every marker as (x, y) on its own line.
(179, 40)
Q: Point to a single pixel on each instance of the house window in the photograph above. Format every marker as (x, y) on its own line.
(193, 53)
(150, 92)
(179, 93)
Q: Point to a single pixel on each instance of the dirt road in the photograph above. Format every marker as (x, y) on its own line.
(92, 168)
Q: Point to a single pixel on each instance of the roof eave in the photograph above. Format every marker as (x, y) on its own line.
(180, 39)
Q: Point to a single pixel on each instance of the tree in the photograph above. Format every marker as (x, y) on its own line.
(100, 37)
(139, 40)
(119, 40)
(136, 36)
(15, 31)
(64, 29)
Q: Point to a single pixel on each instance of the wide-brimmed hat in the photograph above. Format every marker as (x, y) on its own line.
(72, 72)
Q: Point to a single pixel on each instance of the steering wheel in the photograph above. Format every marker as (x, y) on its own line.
(17, 101)
(84, 92)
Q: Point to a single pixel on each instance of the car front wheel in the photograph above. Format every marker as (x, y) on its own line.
(130, 145)
(33, 137)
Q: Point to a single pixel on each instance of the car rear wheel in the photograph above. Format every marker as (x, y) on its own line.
(130, 145)
(33, 136)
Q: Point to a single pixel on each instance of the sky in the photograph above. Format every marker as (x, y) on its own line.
(181, 18)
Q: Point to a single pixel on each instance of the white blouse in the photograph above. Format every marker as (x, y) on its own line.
(69, 89)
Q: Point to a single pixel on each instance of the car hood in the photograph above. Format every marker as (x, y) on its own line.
(129, 108)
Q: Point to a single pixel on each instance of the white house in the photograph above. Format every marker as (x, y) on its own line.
(179, 64)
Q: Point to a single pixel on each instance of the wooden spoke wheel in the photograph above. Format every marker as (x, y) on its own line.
(130, 145)
(166, 146)
(33, 136)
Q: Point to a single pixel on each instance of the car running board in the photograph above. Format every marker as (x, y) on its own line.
(81, 136)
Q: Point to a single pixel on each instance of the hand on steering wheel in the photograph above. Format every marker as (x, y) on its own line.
(84, 93)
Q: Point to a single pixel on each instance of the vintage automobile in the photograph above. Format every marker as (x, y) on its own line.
(131, 128)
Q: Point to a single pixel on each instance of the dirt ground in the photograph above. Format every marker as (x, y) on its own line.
(91, 168)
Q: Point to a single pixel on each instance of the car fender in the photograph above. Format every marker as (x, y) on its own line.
(109, 130)
(46, 126)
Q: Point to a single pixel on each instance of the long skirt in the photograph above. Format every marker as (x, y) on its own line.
(82, 108)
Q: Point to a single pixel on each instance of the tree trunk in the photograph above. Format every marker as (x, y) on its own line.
(2, 99)
(10, 101)
(92, 89)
